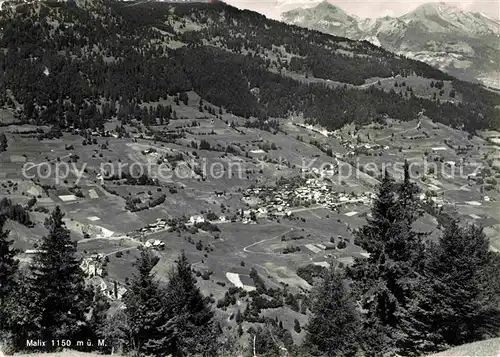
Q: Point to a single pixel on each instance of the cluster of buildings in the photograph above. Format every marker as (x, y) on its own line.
(92, 266)
(201, 219)
(159, 225)
(196, 219)
(315, 129)
(362, 147)
(279, 200)
(154, 244)
(438, 201)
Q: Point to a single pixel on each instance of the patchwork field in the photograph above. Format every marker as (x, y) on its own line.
(239, 199)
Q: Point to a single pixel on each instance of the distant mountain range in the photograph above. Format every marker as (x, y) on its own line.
(464, 44)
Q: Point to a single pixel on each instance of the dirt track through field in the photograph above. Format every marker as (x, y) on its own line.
(263, 241)
(139, 243)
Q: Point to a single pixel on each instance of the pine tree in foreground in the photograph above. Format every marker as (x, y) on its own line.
(262, 342)
(115, 330)
(8, 263)
(23, 325)
(372, 236)
(8, 270)
(193, 329)
(100, 308)
(408, 206)
(384, 281)
(176, 319)
(334, 327)
(461, 302)
(57, 285)
(147, 310)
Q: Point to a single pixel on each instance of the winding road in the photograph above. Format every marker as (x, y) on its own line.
(139, 243)
(245, 249)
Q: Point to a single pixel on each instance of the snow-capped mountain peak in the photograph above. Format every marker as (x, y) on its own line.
(443, 17)
(325, 16)
(439, 33)
(437, 8)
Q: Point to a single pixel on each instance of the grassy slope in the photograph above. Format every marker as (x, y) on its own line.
(66, 354)
(488, 348)
(479, 349)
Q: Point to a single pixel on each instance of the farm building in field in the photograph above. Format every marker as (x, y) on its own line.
(262, 212)
(91, 268)
(196, 219)
(97, 257)
(34, 251)
(155, 244)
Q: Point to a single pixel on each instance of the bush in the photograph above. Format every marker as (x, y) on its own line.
(207, 226)
(204, 145)
(296, 326)
(212, 216)
(491, 181)
(309, 272)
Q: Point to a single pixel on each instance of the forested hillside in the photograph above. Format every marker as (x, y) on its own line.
(78, 65)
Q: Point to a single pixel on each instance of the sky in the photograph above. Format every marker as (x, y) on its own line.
(363, 8)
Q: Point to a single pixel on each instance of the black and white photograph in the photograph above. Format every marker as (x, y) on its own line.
(249, 178)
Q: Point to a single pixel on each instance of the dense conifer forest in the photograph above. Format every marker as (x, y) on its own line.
(78, 65)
